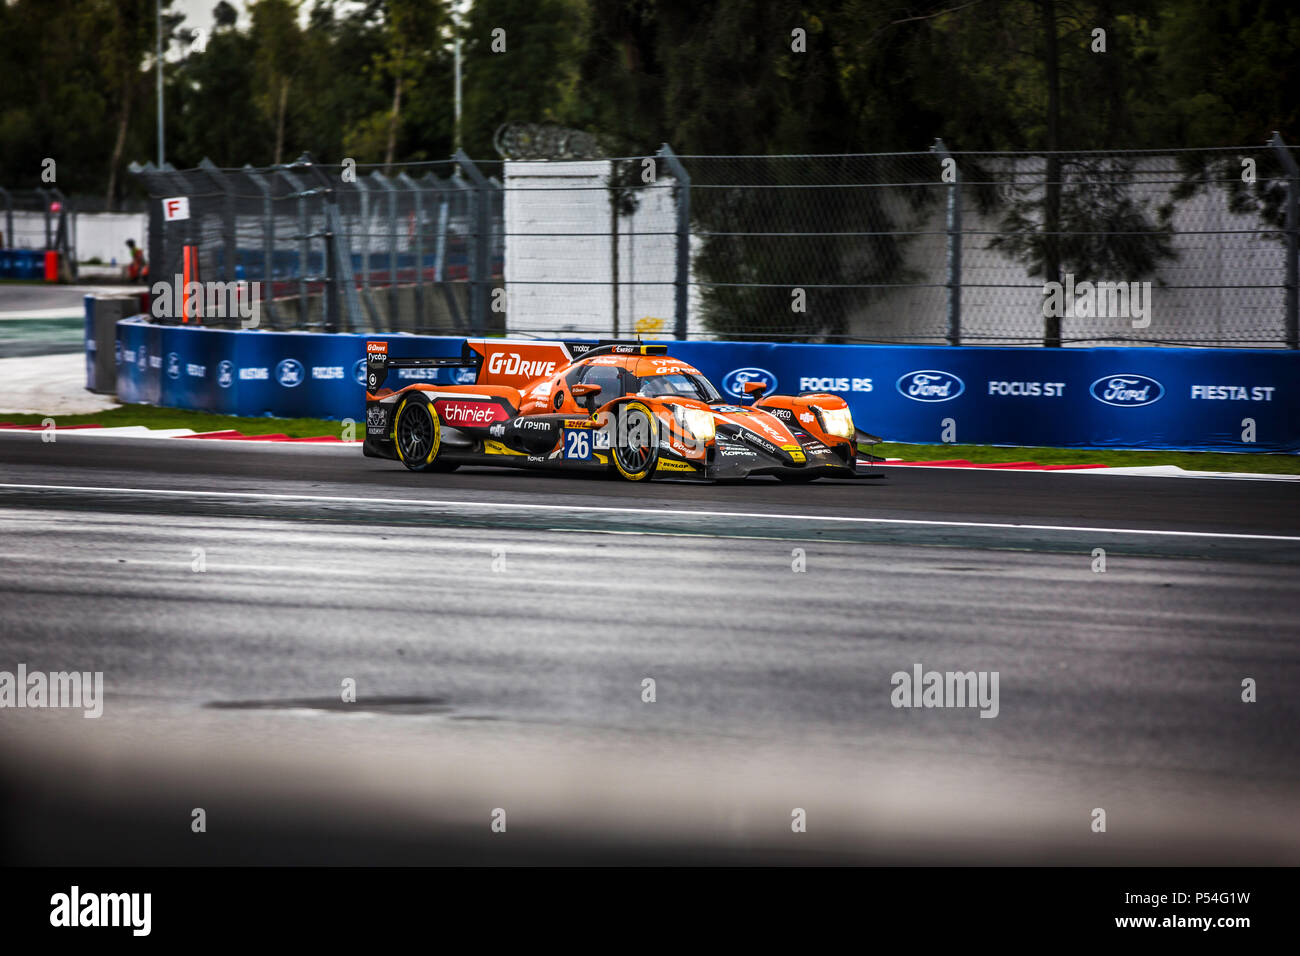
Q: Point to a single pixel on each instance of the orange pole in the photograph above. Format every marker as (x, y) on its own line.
(185, 281)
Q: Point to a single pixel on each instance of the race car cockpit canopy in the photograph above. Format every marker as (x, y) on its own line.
(683, 384)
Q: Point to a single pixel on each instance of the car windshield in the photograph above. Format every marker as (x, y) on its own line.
(679, 383)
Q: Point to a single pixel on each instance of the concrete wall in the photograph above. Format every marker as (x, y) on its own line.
(559, 254)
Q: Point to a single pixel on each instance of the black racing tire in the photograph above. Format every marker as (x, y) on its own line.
(634, 449)
(417, 435)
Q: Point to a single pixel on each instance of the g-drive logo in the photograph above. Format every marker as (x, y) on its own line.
(1127, 390)
(734, 382)
(930, 385)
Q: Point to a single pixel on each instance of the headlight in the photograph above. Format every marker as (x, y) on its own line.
(837, 421)
(697, 421)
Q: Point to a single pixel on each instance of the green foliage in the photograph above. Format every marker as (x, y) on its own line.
(531, 79)
(372, 79)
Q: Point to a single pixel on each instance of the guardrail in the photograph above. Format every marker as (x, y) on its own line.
(1239, 400)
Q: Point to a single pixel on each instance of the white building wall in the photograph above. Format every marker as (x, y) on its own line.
(558, 261)
(96, 234)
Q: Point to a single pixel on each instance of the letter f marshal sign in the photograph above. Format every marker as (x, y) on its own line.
(175, 208)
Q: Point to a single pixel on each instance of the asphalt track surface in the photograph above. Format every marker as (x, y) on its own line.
(499, 626)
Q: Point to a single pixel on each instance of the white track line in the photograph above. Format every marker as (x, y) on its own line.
(409, 502)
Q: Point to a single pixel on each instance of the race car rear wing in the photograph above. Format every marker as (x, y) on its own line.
(504, 361)
(378, 363)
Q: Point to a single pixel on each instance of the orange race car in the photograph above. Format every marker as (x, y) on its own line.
(618, 406)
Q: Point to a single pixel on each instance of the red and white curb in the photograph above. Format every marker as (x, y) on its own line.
(143, 431)
(1083, 468)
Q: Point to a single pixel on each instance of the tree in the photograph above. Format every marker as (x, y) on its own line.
(519, 64)
(278, 45)
(205, 85)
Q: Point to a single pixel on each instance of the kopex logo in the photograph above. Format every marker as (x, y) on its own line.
(1127, 390)
(733, 383)
(930, 385)
(289, 373)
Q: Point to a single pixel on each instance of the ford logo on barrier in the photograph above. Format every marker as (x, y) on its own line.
(225, 373)
(289, 373)
(359, 372)
(930, 385)
(464, 376)
(1127, 390)
(173, 365)
(733, 383)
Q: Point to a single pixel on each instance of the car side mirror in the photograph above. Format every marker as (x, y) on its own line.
(754, 388)
(583, 389)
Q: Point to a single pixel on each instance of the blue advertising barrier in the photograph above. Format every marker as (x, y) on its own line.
(1244, 400)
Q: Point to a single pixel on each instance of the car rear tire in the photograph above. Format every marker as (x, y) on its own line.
(417, 435)
(635, 447)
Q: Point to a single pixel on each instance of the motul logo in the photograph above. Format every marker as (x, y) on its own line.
(512, 363)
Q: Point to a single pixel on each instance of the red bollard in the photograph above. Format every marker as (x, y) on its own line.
(51, 266)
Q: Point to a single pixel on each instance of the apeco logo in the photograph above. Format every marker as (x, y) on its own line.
(289, 373)
(930, 385)
(733, 383)
(173, 365)
(1126, 391)
(225, 373)
(359, 372)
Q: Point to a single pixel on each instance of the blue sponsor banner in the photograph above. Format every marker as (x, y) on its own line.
(1192, 399)
(92, 346)
(254, 373)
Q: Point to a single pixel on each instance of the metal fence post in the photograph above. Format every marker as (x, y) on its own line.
(344, 308)
(683, 264)
(45, 211)
(440, 240)
(449, 193)
(379, 177)
(479, 254)
(229, 247)
(304, 245)
(257, 178)
(8, 242)
(418, 243)
(954, 243)
(1292, 239)
(367, 300)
